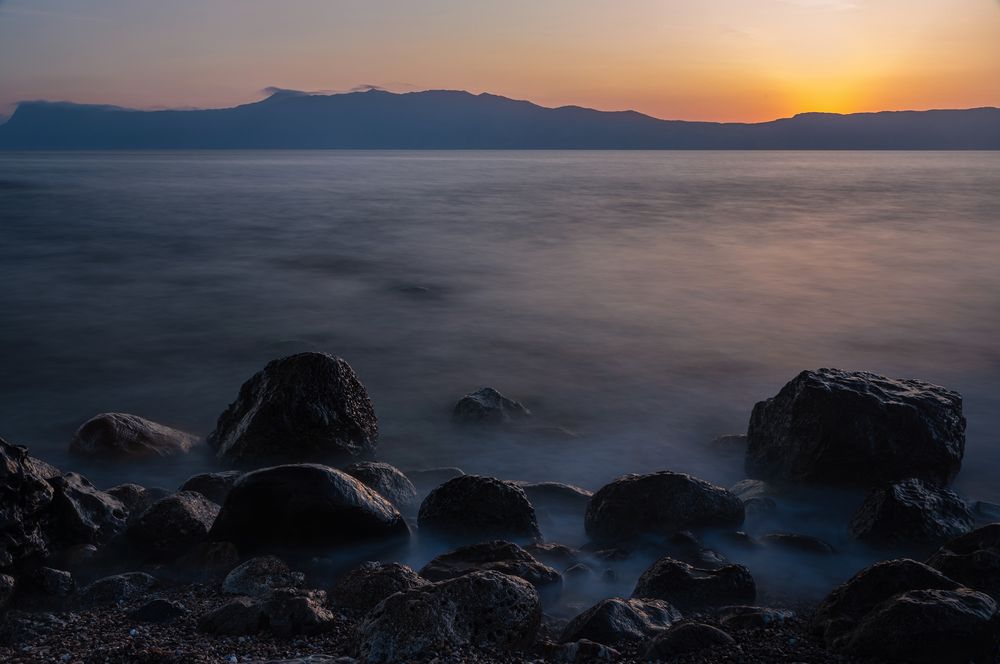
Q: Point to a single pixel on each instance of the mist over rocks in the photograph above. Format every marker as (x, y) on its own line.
(309, 407)
(488, 406)
(126, 436)
(387, 480)
(498, 556)
(472, 508)
(858, 428)
(911, 513)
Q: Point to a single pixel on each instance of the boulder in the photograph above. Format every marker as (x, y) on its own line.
(24, 500)
(927, 627)
(757, 496)
(305, 505)
(685, 546)
(498, 556)
(124, 436)
(43, 469)
(690, 588)
(45, 587)
(133, 497)
(973, 560)
(487, 406)
(258, 576)
(159, 611)
(617, 621)
(847, 604)
(752, 617)
(684, 638)
(841, 427)
(558, 556)
(659, 504)
(911, 513)
(80, 513)
(214, 486)
(556, 496)
(579, 652)
(306, 407)
(472, 508)
(482, 609)
(173, 525)
(117, 588)
(795, 543)
(363, 587)
(387, 480)
(285, 612)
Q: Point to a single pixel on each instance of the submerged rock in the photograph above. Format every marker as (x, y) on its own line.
(305, 505)
(474, 508)
(121, 435)
(258, 576)
(973, 560)
(690, 588)
(487, 406)
(684, 638)
(173, 525)
(617, 621)
(911, 513)
(498, 556)
(483, 609)
(856, 428)
(214, 486)
(387, 480)
(305, 407)
(365, 586)
(659, 504)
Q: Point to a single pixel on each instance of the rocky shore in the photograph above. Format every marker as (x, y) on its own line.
(304, 547)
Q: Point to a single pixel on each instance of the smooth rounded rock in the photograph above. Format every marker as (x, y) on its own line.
(387, 480)
(690, 588)
(123, 436)
(214, 486)
(472, 508)
(487, 406)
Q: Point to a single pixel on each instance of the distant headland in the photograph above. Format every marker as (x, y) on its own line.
(445, 119)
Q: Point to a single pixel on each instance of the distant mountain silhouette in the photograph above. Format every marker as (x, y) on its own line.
(460, 120)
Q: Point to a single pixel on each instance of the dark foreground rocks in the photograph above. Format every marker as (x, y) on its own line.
(123, 436)
(659, 504)
(258, 576)
(214, 486)
(973, 560)
(472, 508)
(173, 525)
(26, 499)
(690, 588)
(363, 587)
(686, 637)
(304, 506)
(306, 407)
(498, 556)
(386, 480)
(846, 427)
(617, 621)
(911, 513)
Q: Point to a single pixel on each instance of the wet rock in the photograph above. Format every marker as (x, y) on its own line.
(258, 576)
(122, 436)
(794, 543)
(173, 525)
(237, 617)
(159, 611)
(288, 613)
(757, 496)
(487, 406)
(730, 445)
(579, 652)
(973, 560)
(387, 480)
(911, 513)
(305, 407)
(483, 609)
(473, 508)
(659, 504)
(686, 547)
(927, 626)
(556, 496)
(752, 617)
(24, 499)
(497, 556)
(690, 588)
(847, 604)
(43, 469)
(365, 586)
(685, 638)
(845, 427)
(617, 621)
(558, 556)
(80, 513)
(117, 588)
(214, 486)
(133, 497)
(426, 479)
(305, 505)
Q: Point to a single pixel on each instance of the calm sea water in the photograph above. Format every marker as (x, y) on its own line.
(642, 301)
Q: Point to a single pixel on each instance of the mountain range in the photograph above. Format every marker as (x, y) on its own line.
(444, 119)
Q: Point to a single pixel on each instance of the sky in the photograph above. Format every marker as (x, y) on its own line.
(729, 60)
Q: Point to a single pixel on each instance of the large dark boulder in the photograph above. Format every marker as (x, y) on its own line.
(928, 627)
(363, 587)
(843, 427)
(24, 499)
(482, 609)
(122, 436)
(616, 621)
(472, 508)
(847, 604)
(305, 505)
(659, 504)
(498, 556)
(214, 486)
(911, 513)
(306, 407)
(487, 406)
(690, 588)
(173, 525)
(387, 480)
(973, 560)
(684, 638)
(80, 513)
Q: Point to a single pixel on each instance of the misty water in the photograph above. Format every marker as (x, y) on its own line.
(639, 303)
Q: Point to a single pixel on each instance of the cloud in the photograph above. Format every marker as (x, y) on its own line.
(831, 5)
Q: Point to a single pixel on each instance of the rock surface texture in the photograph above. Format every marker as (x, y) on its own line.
(615, 621)
(690, 588)
(911, 513)
(472, 508)
(173, 525)
(973, 560)
(487, 406)
(498, 556)
(387, 480)
(363, 587)
(121, 435)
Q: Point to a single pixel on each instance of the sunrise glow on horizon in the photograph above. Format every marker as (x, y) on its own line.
(731, 60)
